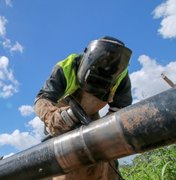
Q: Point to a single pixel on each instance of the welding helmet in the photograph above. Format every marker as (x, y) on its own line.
(103, 61)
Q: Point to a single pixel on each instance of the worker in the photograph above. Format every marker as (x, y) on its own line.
(95, 78)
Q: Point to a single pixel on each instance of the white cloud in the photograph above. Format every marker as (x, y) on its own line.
(26, 110)
(167, 11)
(37, 128)
(6, 42)
(23, 140)
(8, 2)
(4, 62)
(8, 90)
(3, 22)
(8, 83)
(148, 81)
(18, 140)
(17, 47)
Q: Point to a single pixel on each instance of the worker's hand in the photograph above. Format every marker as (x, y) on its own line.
(51, 116)
(55, 123)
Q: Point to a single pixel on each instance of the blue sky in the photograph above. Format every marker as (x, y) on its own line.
(34, 35)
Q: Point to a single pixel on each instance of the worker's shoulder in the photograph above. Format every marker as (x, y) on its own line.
(68, 60)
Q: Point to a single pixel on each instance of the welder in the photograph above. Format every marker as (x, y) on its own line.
(95, 78)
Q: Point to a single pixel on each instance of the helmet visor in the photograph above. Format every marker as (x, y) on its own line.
(102, 64)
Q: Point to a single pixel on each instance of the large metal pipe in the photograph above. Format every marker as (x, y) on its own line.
(140, 127)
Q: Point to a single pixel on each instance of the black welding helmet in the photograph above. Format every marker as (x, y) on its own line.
(102, 63)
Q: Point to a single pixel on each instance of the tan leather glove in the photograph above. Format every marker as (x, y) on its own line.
(50, 114)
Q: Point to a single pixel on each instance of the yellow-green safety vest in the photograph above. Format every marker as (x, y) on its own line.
(71, 78)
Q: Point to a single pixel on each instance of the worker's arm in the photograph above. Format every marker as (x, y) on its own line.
(54, 87)
(45, 103)
(122, 97)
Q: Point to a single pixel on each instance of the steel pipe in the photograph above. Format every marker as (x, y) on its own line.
(140, 127)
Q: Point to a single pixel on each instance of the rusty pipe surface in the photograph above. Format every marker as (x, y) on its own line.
(140, 127)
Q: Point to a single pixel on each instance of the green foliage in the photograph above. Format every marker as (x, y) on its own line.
(159, 164)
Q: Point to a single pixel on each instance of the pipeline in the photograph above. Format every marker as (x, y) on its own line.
(140, 127)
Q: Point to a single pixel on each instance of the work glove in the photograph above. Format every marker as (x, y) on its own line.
(50, 114)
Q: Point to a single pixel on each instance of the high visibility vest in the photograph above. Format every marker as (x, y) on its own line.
(72, 83)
